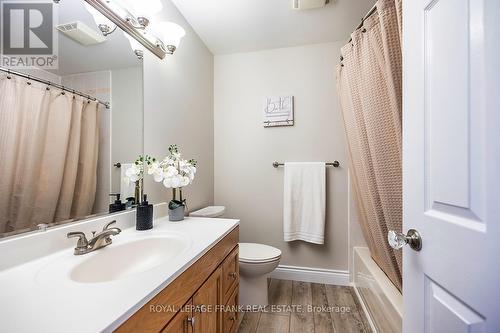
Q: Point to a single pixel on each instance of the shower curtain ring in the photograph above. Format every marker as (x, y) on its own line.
(8, 74)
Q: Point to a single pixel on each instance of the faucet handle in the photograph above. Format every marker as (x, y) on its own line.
(82, 240)
(108, 224)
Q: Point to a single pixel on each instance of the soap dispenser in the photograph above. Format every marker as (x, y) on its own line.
(118, 205)
(144, 215)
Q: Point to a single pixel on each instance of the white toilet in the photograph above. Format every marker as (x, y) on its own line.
(256, 262)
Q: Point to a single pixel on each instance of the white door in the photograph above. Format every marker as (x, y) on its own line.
(451, 165)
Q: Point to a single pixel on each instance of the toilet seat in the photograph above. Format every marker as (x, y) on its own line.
(258, 253)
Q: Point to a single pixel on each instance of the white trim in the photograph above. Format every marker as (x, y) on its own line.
(314, 275)
(365, 309)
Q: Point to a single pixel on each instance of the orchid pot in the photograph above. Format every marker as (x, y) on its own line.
(176, 208)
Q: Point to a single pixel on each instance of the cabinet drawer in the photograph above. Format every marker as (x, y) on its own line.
(230, 273)
(230, 315)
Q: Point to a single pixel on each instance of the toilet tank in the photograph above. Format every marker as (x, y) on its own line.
(210, 211)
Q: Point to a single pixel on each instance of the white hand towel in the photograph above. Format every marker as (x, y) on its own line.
(304, 202)
(126, 190)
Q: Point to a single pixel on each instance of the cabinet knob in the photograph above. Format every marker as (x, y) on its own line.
(233, 275)
(191, 320)
(232, 318)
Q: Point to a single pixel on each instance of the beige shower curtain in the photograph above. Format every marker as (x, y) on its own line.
(48, 152)
(369, 82)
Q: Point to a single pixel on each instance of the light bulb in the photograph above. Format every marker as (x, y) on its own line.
(105, 25)
(169, 33)
(135, 46)
(143, 8)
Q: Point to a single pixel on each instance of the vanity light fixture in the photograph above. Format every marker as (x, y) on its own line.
(125, 20)
(134, 18)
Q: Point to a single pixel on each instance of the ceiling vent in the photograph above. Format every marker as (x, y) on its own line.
(308, 4)
(81, 33)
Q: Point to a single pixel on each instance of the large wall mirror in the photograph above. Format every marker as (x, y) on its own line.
(63, 152)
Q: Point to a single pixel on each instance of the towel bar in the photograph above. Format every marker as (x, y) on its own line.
(334, 164)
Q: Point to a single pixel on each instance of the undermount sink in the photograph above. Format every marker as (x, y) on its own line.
(119, 261)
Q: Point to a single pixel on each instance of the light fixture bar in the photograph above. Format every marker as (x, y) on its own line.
(127, 26)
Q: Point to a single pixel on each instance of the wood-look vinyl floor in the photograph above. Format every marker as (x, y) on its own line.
(304, 307)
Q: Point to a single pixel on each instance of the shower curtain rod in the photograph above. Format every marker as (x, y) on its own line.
(56, 85)
(372, 11)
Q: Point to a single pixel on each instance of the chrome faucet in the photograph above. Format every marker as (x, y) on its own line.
(98, 241)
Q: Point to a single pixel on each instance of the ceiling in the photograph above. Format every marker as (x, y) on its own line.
(114, 53)
(231, 26)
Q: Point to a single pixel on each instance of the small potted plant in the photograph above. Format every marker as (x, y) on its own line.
(135, 174)
(175, 173)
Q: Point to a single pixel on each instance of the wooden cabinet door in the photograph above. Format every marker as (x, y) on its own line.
(230, 315)
(230, 273)
(205, 302)
(181, 323)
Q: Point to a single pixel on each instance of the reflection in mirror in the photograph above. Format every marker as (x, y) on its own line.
(63, 151)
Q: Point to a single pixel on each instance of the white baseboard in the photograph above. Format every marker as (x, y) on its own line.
(314, 275)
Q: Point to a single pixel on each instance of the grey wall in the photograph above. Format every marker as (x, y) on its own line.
(245, 180)
(126, 119)
(178, 109)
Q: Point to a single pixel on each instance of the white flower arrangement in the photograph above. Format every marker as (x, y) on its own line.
(135, 174)
(174, 172)
(136, 171)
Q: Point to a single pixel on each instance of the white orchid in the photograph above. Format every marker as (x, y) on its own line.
(170, 171)
(156, 170)
(132, 174)
(136, 171)
(135, 174)
(175, 171)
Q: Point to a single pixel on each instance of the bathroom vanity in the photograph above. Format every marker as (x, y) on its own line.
(202, 299)
(177, 277)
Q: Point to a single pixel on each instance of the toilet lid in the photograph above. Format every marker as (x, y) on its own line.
(210, 211)
(253, 252)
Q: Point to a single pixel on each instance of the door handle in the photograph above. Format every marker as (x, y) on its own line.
(397, 240)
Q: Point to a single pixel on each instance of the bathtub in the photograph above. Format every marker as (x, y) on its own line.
(381, 300)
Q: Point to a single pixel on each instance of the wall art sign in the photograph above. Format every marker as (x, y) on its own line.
(278, 111)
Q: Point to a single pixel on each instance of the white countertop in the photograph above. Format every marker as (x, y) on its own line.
(31, 302)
